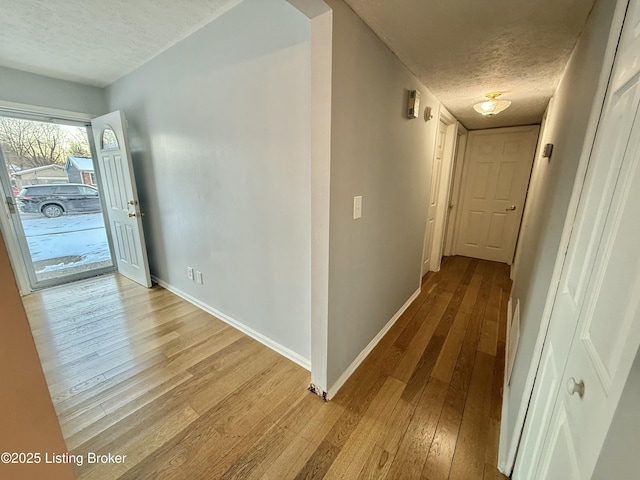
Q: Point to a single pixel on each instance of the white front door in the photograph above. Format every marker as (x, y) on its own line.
(594, 330)
(434, 193)
(496, 176)
(120, 196)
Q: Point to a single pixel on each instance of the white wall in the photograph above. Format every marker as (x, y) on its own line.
(220, 133)
(619, 455)
(569, 127)
(30, 89)
(376, 152)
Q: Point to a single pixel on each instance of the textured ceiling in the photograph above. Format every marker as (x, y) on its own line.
(460, 49)
(464, 49)
(96, 42)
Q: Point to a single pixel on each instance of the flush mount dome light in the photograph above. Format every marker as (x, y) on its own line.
(493, 106)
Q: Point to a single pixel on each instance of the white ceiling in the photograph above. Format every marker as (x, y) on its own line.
(460, 49)
(96, 42)
(464, 49)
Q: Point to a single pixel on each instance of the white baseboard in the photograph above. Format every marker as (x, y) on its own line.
(282, 350)
(507, 446)
(513, 339)
(503, 443)
(504, 465)
(367, 350)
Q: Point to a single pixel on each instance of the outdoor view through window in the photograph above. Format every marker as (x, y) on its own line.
(49, 172)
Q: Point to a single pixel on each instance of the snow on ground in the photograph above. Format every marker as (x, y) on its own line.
(66, 236)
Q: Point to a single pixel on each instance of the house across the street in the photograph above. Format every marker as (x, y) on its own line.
(80, 170)
(40, 175)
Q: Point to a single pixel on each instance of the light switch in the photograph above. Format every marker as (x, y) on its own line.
(199, 277)
(357, 207)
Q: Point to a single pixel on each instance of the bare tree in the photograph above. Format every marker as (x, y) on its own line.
(78, 147)
(33, 144)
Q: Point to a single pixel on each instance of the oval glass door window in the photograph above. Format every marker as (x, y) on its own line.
(109, 139)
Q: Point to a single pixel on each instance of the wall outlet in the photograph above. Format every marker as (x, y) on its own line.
(190, 273)
(357, 207)
(199, 277)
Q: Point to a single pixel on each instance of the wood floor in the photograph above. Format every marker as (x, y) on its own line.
(143, 373)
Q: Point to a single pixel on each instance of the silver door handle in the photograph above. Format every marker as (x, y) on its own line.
(574, 387)
(510, 209)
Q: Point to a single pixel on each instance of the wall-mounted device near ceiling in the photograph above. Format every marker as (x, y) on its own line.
(414, 104)
(427, 114)
(492, 106)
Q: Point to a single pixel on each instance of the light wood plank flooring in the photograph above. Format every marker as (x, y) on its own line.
(143, 373)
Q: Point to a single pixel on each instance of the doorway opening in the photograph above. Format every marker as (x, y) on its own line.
(437, 209)
(54, 201)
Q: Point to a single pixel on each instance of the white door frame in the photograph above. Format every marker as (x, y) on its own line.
(11, 236)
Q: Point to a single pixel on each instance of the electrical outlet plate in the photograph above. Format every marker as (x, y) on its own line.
(357, 207)
(190, 273)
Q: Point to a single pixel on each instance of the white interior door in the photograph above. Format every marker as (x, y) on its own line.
(456, 187)
(121, 198)
(436, 174)
(594, 331)
(497, 169)
(446, 154)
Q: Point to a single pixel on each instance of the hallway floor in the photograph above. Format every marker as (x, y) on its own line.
(145, 374)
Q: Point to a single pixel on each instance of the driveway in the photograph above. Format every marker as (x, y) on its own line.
(66, 241)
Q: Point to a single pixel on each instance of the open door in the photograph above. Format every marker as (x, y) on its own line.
(121, 197)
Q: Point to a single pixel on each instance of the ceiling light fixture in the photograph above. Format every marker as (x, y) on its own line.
(493, 106)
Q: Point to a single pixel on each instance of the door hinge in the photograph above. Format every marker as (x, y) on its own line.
(11, 204)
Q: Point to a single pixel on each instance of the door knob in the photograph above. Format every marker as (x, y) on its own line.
(135, 215)
(510, 209)
(574, 387)
(133, 202)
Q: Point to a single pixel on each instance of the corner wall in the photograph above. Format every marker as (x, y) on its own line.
(570, 125)
(220, 137)
(376, 152)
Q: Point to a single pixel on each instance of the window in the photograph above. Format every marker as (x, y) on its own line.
(39, 190)
(109, 139)
(67, 190)
(93, 178)
(88, 191)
